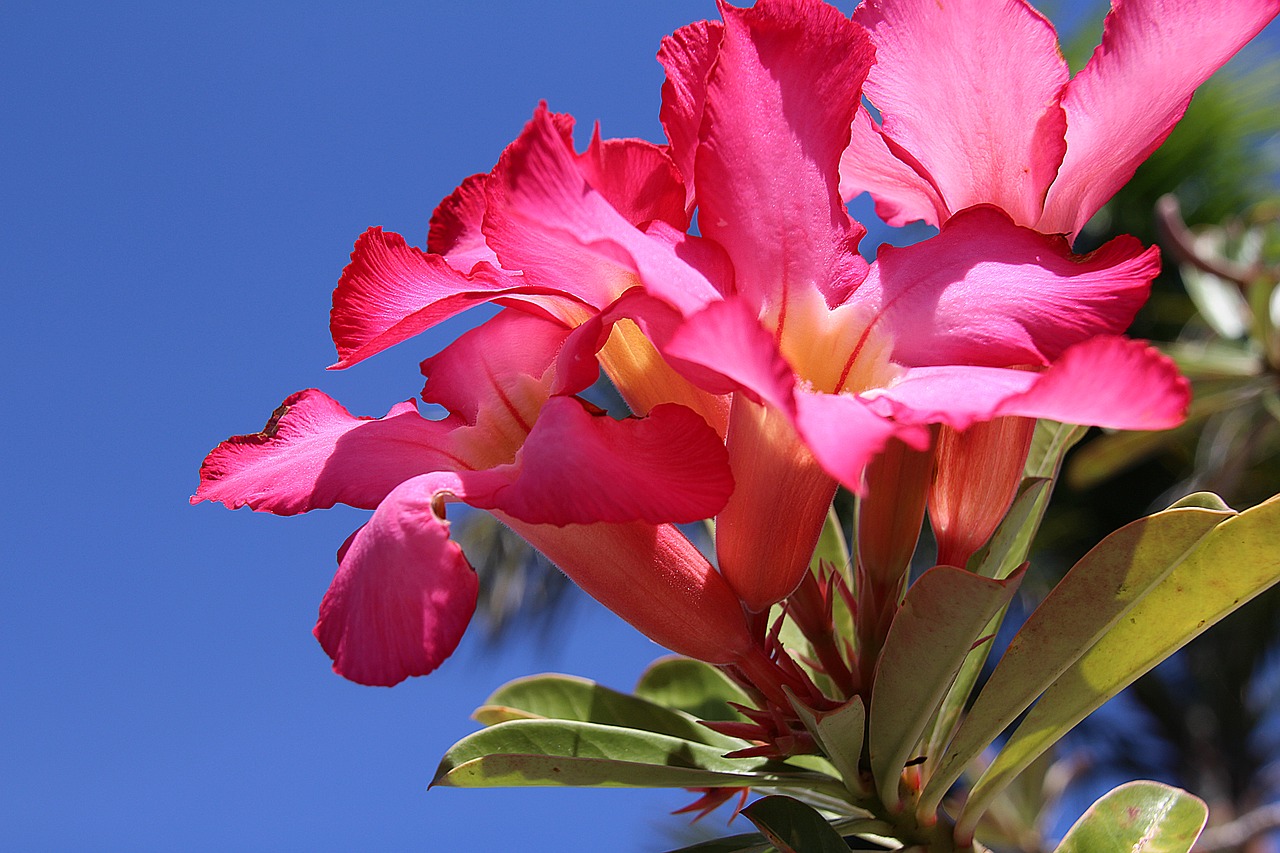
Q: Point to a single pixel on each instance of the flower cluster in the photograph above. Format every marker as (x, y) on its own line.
(764, 361)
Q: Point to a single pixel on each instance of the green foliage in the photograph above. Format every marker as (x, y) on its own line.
(1139, 817)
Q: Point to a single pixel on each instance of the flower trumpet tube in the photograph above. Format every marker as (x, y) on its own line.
(976, 477)
(404, 591)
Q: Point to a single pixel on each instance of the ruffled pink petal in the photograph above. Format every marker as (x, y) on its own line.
(455, 227)
(984, 291)
(579, 467)
(637, 177)
(638, 369)
(500, 363)
(313, 454)
(971, 89)
(870, 165)
(545, 219)
(1124, 103)
(723, 349)
(392, 291)
(404, 593)
(844, 434)
(1107, 381)
(780, 99)
(687, 55)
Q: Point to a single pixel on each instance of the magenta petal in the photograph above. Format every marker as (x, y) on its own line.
(687, 55)
(501, 362)
(1107, 381)
(313, 454)
(971, 89)
(404, 593)
(780, 99)
(1135, 88)
(579, 467)
(723, 349)
(455, 227)
(984, 291)
(844, 434)
(391, 291)
(637, 178)
(546, 220)
(869, 165)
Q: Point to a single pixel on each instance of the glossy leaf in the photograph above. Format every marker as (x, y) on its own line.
(794, 827)
(1235, 562)
(1049, 444)
(1138, 817)
(559, 752)
(692, 686)
(755, 842)
(1094, 595)
(565, 697)
(933, 632)
(1006, 551)
(840, 733)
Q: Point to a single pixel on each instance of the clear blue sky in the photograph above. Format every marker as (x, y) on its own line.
(183, 184)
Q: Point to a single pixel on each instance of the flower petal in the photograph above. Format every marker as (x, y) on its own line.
(637, 177)
(1135, 88)
(547, 220)
(404, 593)
(1107, 381)
(873, 164)
(392, 291)
(780, 99)
(500, 364)
(580, 467)
(844, 434)
(971, 89)
(455, 227)
(687, 55)
(313, 454)
(984, 291)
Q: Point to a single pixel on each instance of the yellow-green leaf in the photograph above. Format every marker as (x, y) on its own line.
(1138, 817)
(1238, 560)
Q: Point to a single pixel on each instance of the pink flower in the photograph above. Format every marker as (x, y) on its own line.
(769, 324)
(825, 357)
(592, 493)
(977, 105)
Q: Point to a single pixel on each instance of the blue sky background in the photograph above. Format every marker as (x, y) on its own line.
(183, 184)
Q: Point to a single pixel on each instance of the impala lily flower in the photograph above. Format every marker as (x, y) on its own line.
(404, 592)
(827, 358)
(970, 119)
(769, 324)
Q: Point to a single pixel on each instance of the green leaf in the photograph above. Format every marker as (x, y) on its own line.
(793, 827)
(565, 697)
(691, 686)
(1235, 562)
(754, 842)
(560, 752)
(1049, 443)
(1202, 500)
(1006, 551)
(1138, 817)
(1086, 603)
(932, 633)
(750, 842)
(840, 733)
